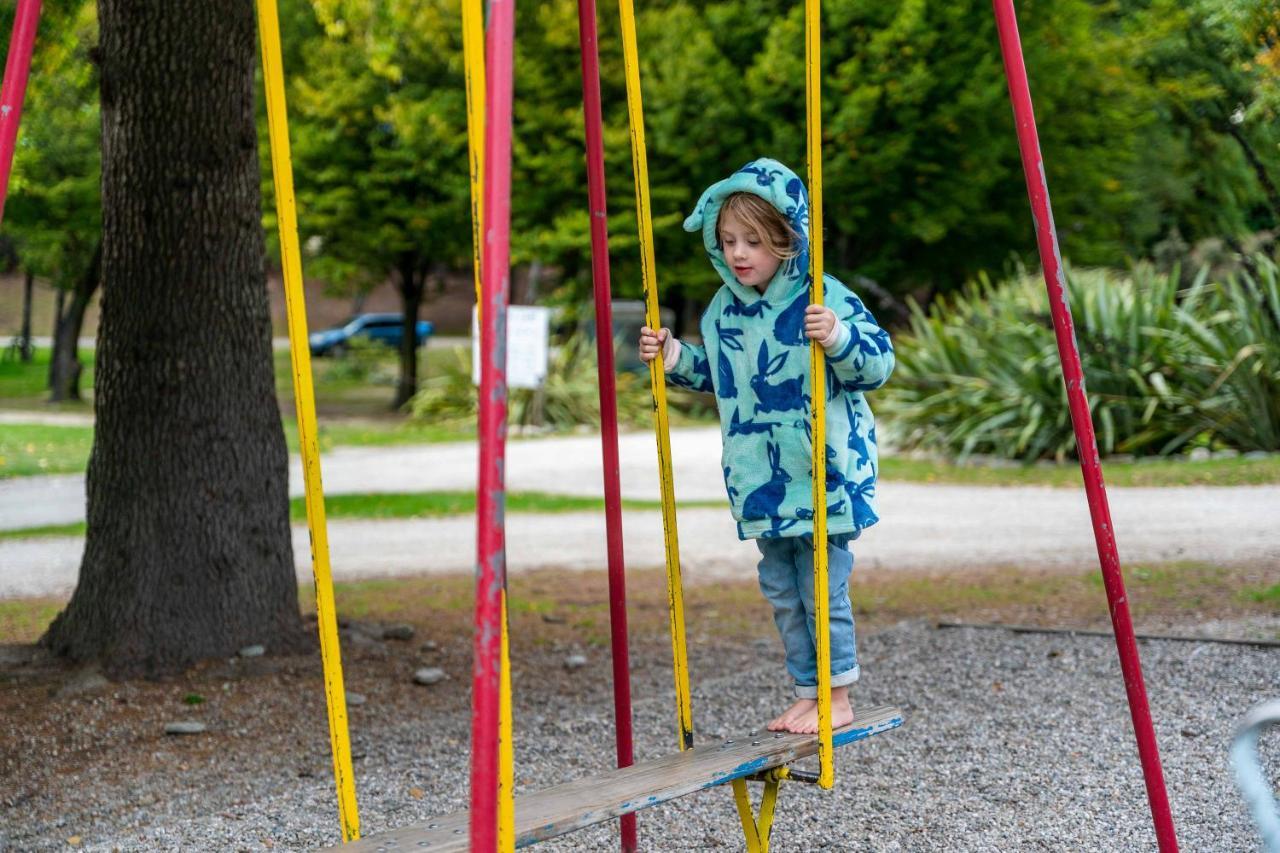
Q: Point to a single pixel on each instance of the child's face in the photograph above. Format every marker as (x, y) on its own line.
(753, 265)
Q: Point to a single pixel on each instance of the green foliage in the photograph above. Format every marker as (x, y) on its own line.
(361, 360)
(1158, 123)
(54, 209)
(1164, 368)
(1211, 156)
(378, 122)
(568, 398)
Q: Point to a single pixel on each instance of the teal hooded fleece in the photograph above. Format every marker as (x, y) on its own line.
(755, 359)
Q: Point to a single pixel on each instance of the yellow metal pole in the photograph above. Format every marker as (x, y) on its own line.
(304, 397)
(750, 832)
(657, 374)
(818, 381)
(474, 75)
(506, 745)
(764, 824)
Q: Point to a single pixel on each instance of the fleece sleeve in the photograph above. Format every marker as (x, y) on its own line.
(691, 370)
(861, 355)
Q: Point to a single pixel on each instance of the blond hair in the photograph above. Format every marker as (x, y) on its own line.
(775, 232)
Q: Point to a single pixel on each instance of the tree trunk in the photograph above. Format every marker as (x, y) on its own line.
(410, 300)
(59, 300)
(24, 339)
(64, 362)
(187, 554)
(1259, 169)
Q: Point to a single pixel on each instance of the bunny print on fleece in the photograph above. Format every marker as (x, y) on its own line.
(755, 359)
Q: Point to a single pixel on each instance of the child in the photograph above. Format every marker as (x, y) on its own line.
(755, 359)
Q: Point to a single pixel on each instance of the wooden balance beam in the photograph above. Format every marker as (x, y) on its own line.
(574, 805)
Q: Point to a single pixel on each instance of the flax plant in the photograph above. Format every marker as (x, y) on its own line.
(1166, 369)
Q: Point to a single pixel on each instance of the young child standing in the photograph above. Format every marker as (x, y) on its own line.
(754, 358)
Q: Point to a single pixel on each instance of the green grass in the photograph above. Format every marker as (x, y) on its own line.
(24, 620)
(403, 505)
(1162, 472)
(377, 432)
(1263, 595)
(439, 504)
(47, 531)
(28, 449)
(354, 400)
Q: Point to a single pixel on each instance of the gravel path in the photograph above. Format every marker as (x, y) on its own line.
(1012, 743)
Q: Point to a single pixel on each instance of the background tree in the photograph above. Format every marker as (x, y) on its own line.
(187, 551)
(922, 172)
(379, 122)
(1211, 158)
(54, 210)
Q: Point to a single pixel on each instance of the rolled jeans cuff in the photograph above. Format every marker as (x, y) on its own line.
(841, 679)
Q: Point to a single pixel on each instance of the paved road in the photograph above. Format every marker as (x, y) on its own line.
(927, 525)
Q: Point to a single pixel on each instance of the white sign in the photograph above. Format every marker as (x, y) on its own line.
(528, 346)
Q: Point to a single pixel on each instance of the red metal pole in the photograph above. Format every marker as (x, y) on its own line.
(491, 567)
(14, 90)
(587, 39)
(1086, 444)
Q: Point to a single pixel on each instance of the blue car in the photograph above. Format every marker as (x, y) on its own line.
(383, 328)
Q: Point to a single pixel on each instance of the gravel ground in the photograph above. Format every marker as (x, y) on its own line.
(1012, 742)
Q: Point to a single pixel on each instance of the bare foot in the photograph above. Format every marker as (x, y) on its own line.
(841, 714)
(783, 721)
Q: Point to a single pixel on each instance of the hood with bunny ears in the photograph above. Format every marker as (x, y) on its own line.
(782, 188)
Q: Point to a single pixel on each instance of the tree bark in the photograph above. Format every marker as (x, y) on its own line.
(64, 362)
(187, 553)
(1259, 169)
(24, 339)
(411, 281)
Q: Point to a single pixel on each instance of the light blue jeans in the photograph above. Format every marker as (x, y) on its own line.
(786, 579)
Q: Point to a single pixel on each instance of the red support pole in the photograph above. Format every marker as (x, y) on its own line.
(491, 568)
(587, 38)
(14, 90)
(1086, 444)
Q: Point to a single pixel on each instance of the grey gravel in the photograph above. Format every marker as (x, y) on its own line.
(356, 699)
(1012, 742)
(252, 652)
(575, 662)
(429, 675)
(185, 727)
(397, 632)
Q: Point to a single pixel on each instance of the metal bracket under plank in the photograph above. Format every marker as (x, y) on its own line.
(573, 805)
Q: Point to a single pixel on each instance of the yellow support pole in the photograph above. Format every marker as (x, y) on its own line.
(756, 829)
(818, 381)
(657, 374)
(750, 832)
(506, 745)
(304, 396)
(474, 74)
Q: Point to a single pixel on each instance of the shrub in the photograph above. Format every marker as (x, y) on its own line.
(567, 399)
(1165, 368)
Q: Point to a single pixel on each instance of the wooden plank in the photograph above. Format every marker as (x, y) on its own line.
(573, 805)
